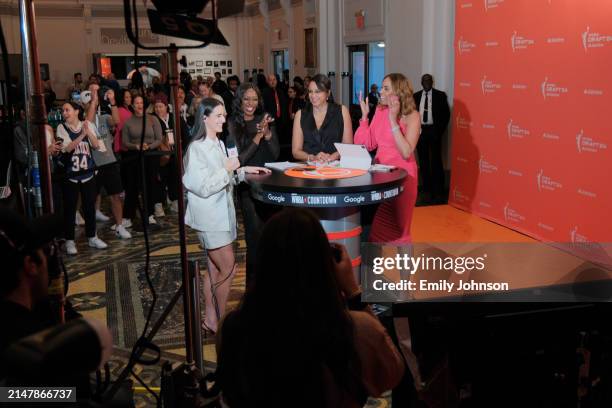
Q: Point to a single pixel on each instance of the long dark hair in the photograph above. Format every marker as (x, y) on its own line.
(121, 99)
(205, 108)
(238, 113)
(292, 330)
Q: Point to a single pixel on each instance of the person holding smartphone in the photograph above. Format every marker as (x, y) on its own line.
(321, 342)
(209, 179)
(255, 141)
(394, 132)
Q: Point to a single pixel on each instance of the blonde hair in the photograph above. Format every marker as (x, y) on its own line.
(403, 89)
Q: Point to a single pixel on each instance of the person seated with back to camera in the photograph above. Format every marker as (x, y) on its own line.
(320, 124)
(301, 328)
(209, 181)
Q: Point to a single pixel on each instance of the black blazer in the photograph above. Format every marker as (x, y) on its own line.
(439, 106)
(270, 103)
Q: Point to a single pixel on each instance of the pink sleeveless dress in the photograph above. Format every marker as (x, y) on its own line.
(393, 218)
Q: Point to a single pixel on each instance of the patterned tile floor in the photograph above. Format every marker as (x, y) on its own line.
(110, 285)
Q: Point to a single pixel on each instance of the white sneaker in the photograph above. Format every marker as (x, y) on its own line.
(101, 217)
(159, 210)
(122, 233)
(78, 220)
(71, 247)
(97, 243)
(174, 206)
(127, 223)
(152, 220)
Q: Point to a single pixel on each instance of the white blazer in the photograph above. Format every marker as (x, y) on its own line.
(209, 186)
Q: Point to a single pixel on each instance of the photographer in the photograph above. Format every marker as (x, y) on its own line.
(322, 345)
(24, 280)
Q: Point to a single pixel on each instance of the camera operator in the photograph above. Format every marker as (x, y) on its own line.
(24, 279)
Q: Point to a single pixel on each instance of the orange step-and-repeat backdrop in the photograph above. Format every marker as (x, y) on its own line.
(532, 116)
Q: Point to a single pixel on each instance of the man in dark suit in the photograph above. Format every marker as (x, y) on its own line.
(435, 114)
(275, 103)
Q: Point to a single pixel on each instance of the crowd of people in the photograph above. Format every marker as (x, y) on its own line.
(229, 129)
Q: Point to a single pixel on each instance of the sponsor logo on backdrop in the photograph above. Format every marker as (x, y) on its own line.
(459, 197)
(551, 89)
(515, 173)
(464, 47)
(545, 182)
(488, 86)
(278, 199)
(586, 193)
(462, 159)
(519, 42)
(545, 227)
(491, 4)
(586, 144)
(488, 126)
(463, 123)
(484, 204)
(594, 39)
(486, 167)
(512, 215)
(593, 92)
(516, 131)
(576, 237)
(466, 5)
(491, 44)
(465, 84)
(551, 136)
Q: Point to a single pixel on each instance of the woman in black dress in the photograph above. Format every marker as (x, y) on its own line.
(251, 137)
(320, 124)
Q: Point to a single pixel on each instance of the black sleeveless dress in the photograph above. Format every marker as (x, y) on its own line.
(330, 132)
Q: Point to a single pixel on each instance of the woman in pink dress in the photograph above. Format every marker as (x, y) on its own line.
(124, 103)
(394, 131)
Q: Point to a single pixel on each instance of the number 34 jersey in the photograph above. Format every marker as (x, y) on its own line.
(79, 163)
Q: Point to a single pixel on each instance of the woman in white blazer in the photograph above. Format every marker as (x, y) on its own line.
(209, 178)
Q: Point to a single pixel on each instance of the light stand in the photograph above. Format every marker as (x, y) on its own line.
(186, 389)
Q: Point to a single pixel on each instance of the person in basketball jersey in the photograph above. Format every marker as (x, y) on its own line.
(78, 140)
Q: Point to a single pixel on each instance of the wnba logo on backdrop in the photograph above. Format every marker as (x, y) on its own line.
(594, 40)
(488, 86)
(587, 144)
(551, 90)
(463, 123)
(485, 167)
(519, 42)
(490, 4)
(464, 46)
(515, 131)
(546, 183)
(510, 214)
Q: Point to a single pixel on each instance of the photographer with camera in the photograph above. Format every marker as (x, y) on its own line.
(322, 347)
(24, 280)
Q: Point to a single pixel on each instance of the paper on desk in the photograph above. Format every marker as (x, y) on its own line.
(282, 166)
